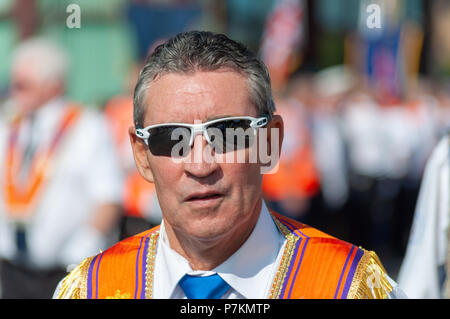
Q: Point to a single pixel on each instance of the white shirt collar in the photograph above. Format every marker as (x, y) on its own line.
(249, 271)
(48, 114)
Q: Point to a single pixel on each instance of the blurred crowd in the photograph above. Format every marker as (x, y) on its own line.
(363, 110)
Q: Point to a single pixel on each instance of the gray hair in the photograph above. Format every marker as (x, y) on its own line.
(50, 59)
(193, 51)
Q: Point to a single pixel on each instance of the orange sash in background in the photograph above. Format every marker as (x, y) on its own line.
(21, 200)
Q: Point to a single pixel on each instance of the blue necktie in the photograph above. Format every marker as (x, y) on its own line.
(210, 287)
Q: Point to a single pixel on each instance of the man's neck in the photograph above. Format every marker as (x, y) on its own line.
(208, 253)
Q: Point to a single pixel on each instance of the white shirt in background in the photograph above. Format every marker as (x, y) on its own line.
(421, 273)
(85, 174)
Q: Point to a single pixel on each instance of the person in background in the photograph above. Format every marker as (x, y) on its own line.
(140, 207)
(425, 270)
(295, 181)
(60, 182)
(139, 202)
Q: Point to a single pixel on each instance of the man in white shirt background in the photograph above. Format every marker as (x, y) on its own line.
(60, 180)
(425, 270)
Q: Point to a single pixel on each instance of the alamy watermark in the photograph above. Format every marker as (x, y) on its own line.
(235, 146)
(73, 20)
(373, 280)
(373, 20)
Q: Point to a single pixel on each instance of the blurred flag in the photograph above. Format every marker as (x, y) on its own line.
(385, 66)
(383, 54)
(392, 51)
(283, 38)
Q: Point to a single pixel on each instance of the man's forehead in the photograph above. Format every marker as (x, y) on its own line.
(200, 96)
(198, 82)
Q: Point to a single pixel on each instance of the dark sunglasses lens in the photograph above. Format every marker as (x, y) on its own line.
(169, 140)
(230, 135)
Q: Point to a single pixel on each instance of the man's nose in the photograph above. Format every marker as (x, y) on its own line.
(201, 162)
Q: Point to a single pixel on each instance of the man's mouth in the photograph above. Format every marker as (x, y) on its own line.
(203, 196)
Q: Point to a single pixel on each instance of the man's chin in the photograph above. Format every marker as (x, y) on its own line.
(209, 226)
(207, 234)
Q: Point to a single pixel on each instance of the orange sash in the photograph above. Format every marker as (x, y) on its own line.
(314, 265)
(297, 177)
(321, 266)
(21, 200)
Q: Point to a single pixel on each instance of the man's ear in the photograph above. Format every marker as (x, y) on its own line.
(275, 123)
(140, 155)
(273, 142)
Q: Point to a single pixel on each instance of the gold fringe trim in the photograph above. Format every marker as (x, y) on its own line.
(119, 295)
(150, 265)
(74, 285)
(285, 260)
(369, 281)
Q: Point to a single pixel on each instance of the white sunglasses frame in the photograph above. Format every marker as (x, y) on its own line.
(200, 128)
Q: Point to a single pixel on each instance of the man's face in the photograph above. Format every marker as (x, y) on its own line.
(28, 90)
(235, 187)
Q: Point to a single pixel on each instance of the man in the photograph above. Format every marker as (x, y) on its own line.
(425, 271)
(217, 238)
(60, 179)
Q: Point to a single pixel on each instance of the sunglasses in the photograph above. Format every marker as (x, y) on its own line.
(224, 135)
